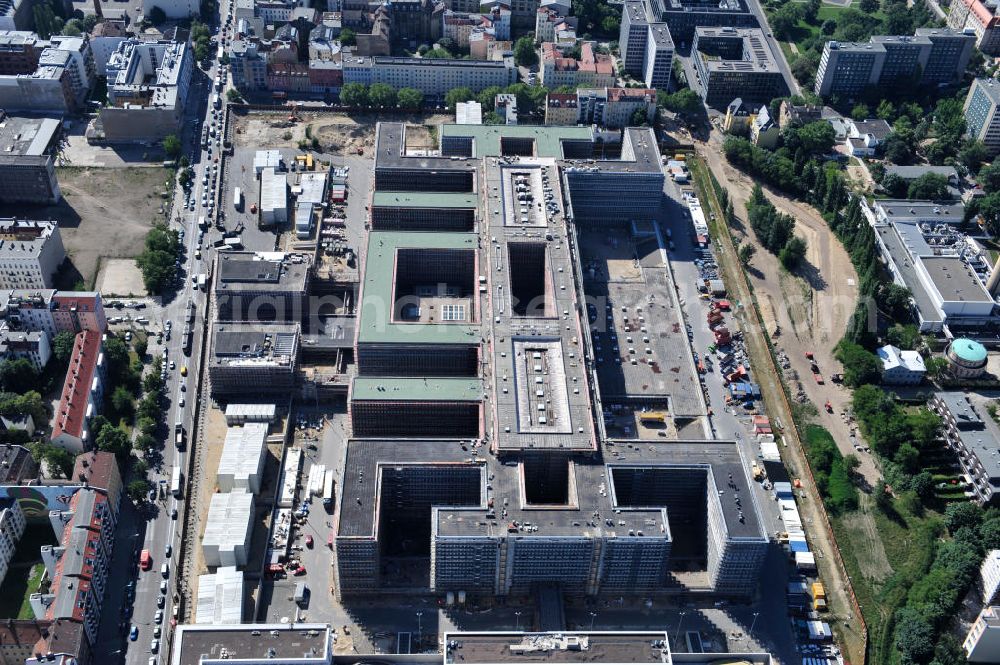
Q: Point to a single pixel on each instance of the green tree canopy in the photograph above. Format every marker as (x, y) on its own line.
(456, 95)
(354, 94)
(524, 52)
(929, 187)
(410, 98)
(860, 365)
(382, 95)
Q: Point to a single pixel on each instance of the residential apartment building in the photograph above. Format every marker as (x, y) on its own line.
(30, 253)
(989, 577)
(20, 51)
(82, 394)
(105, 39)
(646, 45)
(78, 565)
(933, 56)
(553, 26)
(52, 311)
(735, 63)
(561, 108)
(45, 76)
(148, 85)
(248, 66)
(435, 77)
(17, 466)
(974, 440)
(901, 368)
(614, 107)
(982, 114)
(12, 525)
(982, 643)
(981, 19)
(592, 69)
(31, 346)
(174, 9)
(27, 162)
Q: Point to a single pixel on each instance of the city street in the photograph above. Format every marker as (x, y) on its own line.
(157, 527)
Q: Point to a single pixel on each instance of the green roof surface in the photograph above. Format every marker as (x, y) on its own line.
(425, 200)
(969, 350)
(548, 140)
(380, 271)
(429, 390)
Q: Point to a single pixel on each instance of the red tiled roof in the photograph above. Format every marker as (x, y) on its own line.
(71, 413)
(588, 62)
(97, 468)
(617, 94)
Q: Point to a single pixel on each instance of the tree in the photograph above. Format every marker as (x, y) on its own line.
(686, 102)
(886, 111)
(908, 458)
(810, 10)
(18, 375)
(144, 443)
(935, 365)
(860, 365)
(354, 94)
(785, 20)
(746, 252)
(438, 53)
(792, 253)
(929, 187)
(62, 346)
(382, 95)
(347, 37)
(113, 440)
(524, 52)
(914, 635)
(138, 490)
(830, 26)
(410, 98)
(923, 485)
(73, 28)
(972, 154)
(122, 402)
(456, 95)
(963, 513)
(894, 300)
(27, 404)
(868, 6)
(172, 146)
(989, 177)
(860, 112)
(58, 461)
(233, 96)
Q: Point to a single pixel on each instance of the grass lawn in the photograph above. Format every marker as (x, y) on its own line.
(805, 30)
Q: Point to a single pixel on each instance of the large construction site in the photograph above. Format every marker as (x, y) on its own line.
(524, 403)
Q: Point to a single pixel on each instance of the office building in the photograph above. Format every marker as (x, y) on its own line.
(646, 45)
(228, 529)
(253, 358)
(933, 56)
(974, 440)
(982, 643)
(981, 19)
(27, 161)
(735, 63)
(53, 312)
(262, 286)
(148, 86)
(220, 597)
(32, 346)
(676, 516)
(982, 118)
(435, 77)
(30, 253)
(931, 261)
(591, 70)
(82, 394)
(242, 460)
(78, 565)
(252, 644)
(11, 529)
(901, 368)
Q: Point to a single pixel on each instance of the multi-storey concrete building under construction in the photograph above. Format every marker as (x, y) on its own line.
(482, 460)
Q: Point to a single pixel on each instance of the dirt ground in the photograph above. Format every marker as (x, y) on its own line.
(105, 213)
(338, 133)
(120, 277)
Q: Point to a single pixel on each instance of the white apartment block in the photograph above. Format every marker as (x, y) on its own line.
(982, 643)
(989, 576)
(11, 529)
(30, 253)
(434, 77)
(32, 346)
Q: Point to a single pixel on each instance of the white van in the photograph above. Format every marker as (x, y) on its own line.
(165, 570)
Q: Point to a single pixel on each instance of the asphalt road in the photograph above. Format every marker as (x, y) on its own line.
(153, 527)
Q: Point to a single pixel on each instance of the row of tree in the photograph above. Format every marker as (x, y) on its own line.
(380, 95)
(775, 230)
(831, 470)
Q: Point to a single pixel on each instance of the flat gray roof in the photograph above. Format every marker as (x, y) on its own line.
(286, 643)
(945, 212)
(261, 271)
(24, 136)
(955, 280)
(563, 647)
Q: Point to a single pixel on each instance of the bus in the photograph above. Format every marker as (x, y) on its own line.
(328, 488)
(238, 199)
(175, 482)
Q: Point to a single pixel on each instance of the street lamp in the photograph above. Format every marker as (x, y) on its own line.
(752, 624)
(420, 628)
(593, 616)
(517, 621)
(678, 631)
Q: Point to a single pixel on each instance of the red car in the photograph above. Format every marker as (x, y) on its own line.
(301, 570)
(309, 541)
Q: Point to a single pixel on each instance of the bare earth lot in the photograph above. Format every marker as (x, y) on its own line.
(105, 213)
(338, 133)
